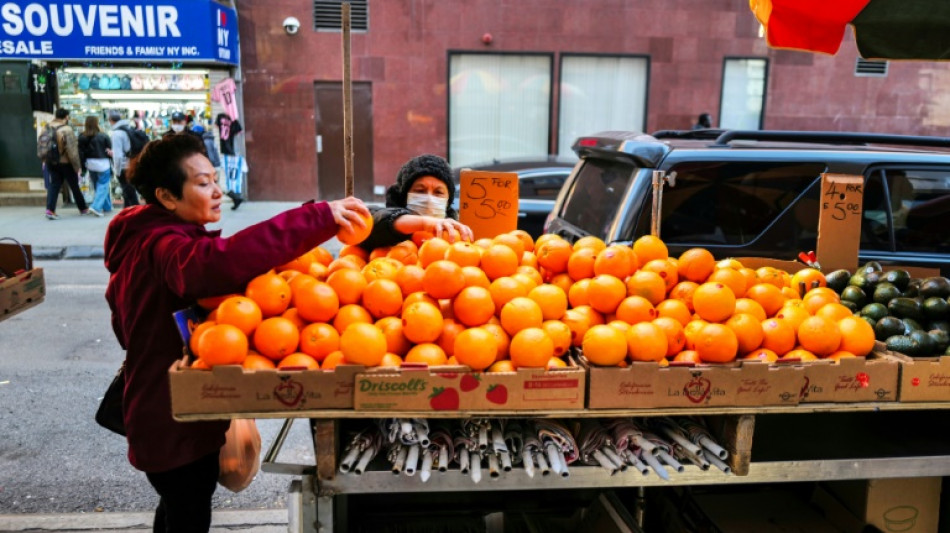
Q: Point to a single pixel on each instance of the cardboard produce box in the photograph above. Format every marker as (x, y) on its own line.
(922, 379)
(230, 389)
(852, 379)
(648, 385)
(21, 285)
(458, 388)
(909, 505)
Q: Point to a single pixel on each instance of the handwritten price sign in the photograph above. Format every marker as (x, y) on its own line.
(488, 202)
(839, 221)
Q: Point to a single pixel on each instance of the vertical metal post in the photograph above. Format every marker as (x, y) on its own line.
(347, 105)
(657, 211)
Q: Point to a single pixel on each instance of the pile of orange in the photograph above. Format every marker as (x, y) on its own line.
(509, 302)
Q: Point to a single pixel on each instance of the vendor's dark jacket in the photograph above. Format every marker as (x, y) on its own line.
(384, 231)
(160, 264)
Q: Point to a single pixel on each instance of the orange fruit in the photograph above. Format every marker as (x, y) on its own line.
(382, 268)
(223, 344)
(675, 337)
(801, 354)
(592, 316)
(748, 330)
(443, 279)
(683, 291)
(605, 292)
(348, 285)
(819, 335)
(342, 263)
(815, 299)
(578, 323)
(528, 281)
(621, 325)
(768, 296)
(560, 335)
(379, 252)
(731, 278)
(527, 241)
(382, 297)
(276, 337)
(531, 348)
(396, 342)
(553, 254)
(317, 270)
(321, 255)
(475, 277)
(714, 301)
(196, 334)
(318, 340)
(833, 311)
(241, 312)
(581, 263)
(332, 360)
(761, 354)
(696, 264)
(688, 356)
(363, 344)
(257, 362)
(316, 301)
(500, 260)
(292, 315)
(356, 234)
(520, 313)
(676, 309)
(778, 336)
(664, 268)
(646, 342)
(528, 259)
(648, 285)
(351, 314)
(422, 322)
(405, 252)
(857, 336)
(409, 278)
(502, 340)
(298, 360)
(300, 264)
(212, 302)
(691, 332)
(604, 345)
(427, 353)
(504, 365)
(432, 250)
(806, 279)
(750, 307)
(579, 293)
(421, 296)
(563, 281)
(770, 275)
(419, 237)
(650, 247)
(792, 314)
(840, 354)
(589, 242)
(476, 348)
(716, 343)
(391, 360)
(446, 339)
(635, 309)
(516, 243)
(556, 362)
(616, 260)
(464, 254)
(551, 299)
(504, 289)
(473, 306)
(271, 293)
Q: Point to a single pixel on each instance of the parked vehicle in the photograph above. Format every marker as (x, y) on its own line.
(757, 193)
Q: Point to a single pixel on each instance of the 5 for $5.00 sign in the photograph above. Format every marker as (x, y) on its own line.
(488, 202)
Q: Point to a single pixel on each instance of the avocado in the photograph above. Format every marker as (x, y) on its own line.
(860, 281)
(912, 289)
(905, 308)
(868, 319)
(873, 278)
(942, 325)
(875, 310)
(941, 340)
(838, 280)
(903, 344)
(888, 327)
(911, 325)
(871, 266)
(854, 295)
(850, 305)
(898, 278)
(927, 344)
(936, 286)
(936, 308)
(885, 292)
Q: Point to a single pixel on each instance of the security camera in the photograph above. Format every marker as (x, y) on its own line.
(291, 25)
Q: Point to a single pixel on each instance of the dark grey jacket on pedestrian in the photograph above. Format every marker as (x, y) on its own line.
(94, 147)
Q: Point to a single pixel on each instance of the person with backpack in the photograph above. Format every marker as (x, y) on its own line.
(127, 142)
(95, 149)
(59, 151)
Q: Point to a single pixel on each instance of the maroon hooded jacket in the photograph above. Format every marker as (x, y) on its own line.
(160, 264)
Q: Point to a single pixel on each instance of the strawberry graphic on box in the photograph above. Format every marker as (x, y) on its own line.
(497, 394)
(697, 389)
(444, 399)
(469, 382)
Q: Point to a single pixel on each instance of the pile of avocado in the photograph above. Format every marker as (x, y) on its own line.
(911, 315)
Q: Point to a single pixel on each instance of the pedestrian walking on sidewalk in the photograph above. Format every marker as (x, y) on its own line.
(233, 165)
(121, 147)
(162, 259)
(64, 168)
(95, 154)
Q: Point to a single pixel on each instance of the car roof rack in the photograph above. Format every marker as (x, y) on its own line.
(704, 134)
(831, 137)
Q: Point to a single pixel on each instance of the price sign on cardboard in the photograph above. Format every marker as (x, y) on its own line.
(488, 202)
(839, 221)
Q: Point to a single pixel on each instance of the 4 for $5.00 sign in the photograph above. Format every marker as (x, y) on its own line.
(488, 202)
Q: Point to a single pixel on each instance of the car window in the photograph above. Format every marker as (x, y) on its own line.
(920, 202)
(729, 203)
(541, 186)
(595, 195)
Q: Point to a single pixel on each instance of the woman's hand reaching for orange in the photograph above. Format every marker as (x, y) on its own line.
(449, 229)
(349, 212)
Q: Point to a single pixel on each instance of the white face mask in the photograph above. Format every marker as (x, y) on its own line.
(178, 128)
(426, 205)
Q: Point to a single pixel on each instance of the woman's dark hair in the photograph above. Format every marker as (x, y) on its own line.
(91, 127)
(159, 165)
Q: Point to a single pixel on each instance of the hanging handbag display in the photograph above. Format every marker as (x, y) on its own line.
(109, 414)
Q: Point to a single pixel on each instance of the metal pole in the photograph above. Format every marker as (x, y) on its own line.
(347, 105)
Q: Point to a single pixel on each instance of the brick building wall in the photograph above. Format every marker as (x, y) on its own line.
(405, 52)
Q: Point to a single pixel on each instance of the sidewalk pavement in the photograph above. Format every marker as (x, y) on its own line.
(256, 521)
(80, 237)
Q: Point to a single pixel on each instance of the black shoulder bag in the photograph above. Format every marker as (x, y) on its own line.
(109, 414)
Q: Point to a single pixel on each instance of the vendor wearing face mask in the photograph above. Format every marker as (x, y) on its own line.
(178, 125)
(420, 200)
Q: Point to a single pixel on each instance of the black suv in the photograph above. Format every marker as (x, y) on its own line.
(757, 193)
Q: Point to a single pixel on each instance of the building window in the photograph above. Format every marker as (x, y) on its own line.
(600, 93)
(499, 106)
(328, 15)
(743, 94)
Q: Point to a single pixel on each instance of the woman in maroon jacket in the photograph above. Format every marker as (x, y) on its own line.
(162, 259)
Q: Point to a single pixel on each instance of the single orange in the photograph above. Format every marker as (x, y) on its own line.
(833, 311)
(579, 293)
(750, 307)
(527, 241)
(691, 332)
(348, 285)
(271, 293)
(476, 348)
(528, 259)
(646, 342)
(512, 241)
(525, 271)
(590, 242)
(648, 285)
(316, 301)
(768, 296)
(666, 269)
(553, 254)
(443, 279)
(500, 260)
(381, 268)
(332, 360)
(840, 354)
(605, 292)
(427, 353)
(560, 335)
(770, 275)
(382, 297)
(676, 309)
(318, 340)
(857, 336)
(432, 250)
(356, 234)
(748, 330)
(650, 247)
(778, 336)
(531, 348)
(396, 342)
(675, 337)
(504, 289)
(351, 314)
(421, 296)
(801, 354)
(807, 279)
(551, 299)
(578, 323)
(504, 365)
(363, 344)
(446, 339)
(815, 299)
(696, 264)
(239, 311)
(635, 309)
(714, 301)
(520, 313)
(761, 354)
(615, 260)
(405, 252)
(473, 306)
(716, 343)
(604, 345)
(196, 335)
(276, 337)
(581, 263)
(688, 356)
(731, 278)
(422, 322)
(391, 360)
(464, 254)
(683, 291)
(223, 344)
(297, 361)
(257, 362)
(475, 277)
(819, 335)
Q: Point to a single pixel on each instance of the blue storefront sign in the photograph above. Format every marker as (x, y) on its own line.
(130, 31)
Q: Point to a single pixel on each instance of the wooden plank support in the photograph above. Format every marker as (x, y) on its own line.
(735, 434)
(326, 448)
